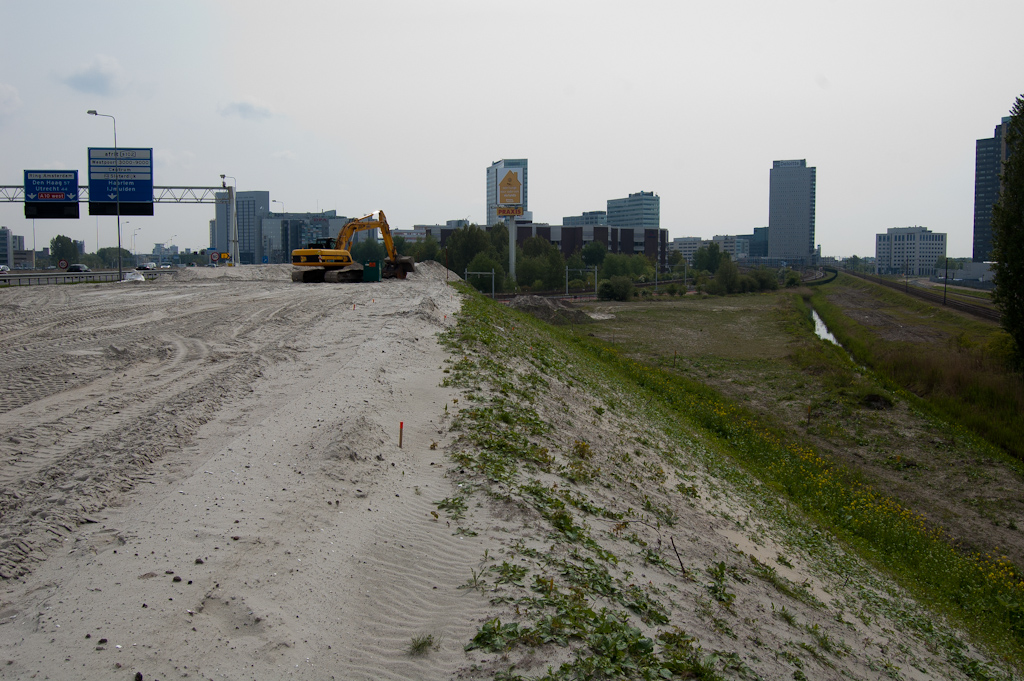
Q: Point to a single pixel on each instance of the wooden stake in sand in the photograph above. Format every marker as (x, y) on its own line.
(401, 427)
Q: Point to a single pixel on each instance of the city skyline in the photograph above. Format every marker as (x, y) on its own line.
(873, 96)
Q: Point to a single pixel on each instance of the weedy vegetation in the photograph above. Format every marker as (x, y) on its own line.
(609, 574)
(421, 645)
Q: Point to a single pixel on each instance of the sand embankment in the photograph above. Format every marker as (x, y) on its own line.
(201, 477)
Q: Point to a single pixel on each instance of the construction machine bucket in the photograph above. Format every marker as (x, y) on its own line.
(397, 269)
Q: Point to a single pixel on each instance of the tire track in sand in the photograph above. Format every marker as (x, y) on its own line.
(72, 447)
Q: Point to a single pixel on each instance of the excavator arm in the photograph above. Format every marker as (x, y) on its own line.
(398, 265)
(349, 230)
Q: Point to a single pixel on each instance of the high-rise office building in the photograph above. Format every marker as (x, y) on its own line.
(284, 232)
(791, 210)
(495, 173)
(588, 219)
(738, 247)
(252, 208)
(687, 246)
(637, 211)
(634, 227)
(6, 247)
(989, 155)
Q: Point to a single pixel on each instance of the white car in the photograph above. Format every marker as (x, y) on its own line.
(165, 266)
(4, 268)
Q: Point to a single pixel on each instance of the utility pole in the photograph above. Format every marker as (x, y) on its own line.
(945, 282)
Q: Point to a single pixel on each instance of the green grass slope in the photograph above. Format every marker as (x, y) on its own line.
(643, 526)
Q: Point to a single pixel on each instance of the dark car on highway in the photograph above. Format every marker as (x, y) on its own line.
(78, 268)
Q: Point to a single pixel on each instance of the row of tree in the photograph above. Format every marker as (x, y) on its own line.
(1008, 234)
(64, 248)
(540, 264)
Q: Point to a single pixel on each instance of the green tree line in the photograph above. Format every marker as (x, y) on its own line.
(541, 266)
(63, 248)
(1008, 234)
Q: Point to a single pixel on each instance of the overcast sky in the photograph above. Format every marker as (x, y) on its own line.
(401, 106)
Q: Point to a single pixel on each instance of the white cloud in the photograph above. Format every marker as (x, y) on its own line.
(102, 76)
(9, 99)
(249, 110)
(173, 158)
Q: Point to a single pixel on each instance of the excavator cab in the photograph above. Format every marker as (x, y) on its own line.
(326, 243)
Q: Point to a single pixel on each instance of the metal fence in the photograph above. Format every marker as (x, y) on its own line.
(60, 277)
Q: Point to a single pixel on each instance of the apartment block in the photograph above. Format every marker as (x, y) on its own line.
(910, 251)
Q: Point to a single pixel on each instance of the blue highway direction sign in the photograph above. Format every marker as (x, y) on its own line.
(51, 185)
(51, 194)
(122, 176)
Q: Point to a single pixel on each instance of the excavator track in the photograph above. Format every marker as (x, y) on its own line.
(308, 275)
(345, 275)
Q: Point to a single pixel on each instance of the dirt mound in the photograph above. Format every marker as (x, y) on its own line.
(550, 310)
(431, 269)
(282, 272)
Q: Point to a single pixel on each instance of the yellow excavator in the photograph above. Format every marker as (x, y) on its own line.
(329, 259)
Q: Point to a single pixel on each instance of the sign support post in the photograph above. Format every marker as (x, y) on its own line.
(510, 204)
(235, 259)
(510, 222)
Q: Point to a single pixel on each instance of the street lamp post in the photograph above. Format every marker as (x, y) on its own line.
(117, 186)
(281, 202)
(135, 250)
(232, 193)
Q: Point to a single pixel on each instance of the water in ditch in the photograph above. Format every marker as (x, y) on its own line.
(822, 330)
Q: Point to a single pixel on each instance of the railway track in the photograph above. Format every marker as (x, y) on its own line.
(981, 311)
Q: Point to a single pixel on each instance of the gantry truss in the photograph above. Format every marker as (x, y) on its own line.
(16, 194)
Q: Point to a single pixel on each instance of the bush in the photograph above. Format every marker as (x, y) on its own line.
(792, 279)
(767, 280)
(577, 285)
(616, 288)
(484, 262)
(671, 289)
(715, 288)
(623, 288)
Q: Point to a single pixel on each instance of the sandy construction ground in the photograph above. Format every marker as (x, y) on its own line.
(201, 478)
